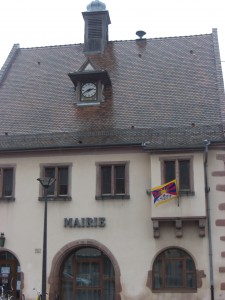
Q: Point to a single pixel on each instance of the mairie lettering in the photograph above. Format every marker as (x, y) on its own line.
(84, 222)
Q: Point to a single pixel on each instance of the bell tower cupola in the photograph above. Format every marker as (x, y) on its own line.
(96, 20)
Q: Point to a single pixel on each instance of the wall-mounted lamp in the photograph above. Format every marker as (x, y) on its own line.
(2, 240)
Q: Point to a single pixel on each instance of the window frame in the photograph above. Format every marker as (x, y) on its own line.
(112, 195)
(185, 272)
(177, 159)
(3, 197)
(56, 195)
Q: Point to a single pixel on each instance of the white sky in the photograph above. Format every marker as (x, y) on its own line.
(55, 22)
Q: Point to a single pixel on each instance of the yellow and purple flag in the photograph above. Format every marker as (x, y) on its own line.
(165, 192)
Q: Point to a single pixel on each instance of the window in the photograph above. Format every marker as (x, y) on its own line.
(112, 180)
(174, 270)
(7, 183)
(60, 189)
(87, 274)
(180, 169)
(12, 278)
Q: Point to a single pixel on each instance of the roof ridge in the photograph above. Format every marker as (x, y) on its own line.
(112, 41)
(162, 38)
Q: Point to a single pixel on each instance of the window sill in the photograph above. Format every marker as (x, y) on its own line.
(109, 197)
(7, 199)
(186, 193)
(91, 103)
(181, 193)
(56, 198)
(181, 290)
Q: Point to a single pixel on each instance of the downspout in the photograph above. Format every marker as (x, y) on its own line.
(207, 189)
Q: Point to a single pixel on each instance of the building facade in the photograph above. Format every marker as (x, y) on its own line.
(109, 121)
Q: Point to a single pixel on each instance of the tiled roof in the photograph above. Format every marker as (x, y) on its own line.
(152, 139)
(159, 87)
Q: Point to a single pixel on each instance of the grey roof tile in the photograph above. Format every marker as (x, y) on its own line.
(163, 138)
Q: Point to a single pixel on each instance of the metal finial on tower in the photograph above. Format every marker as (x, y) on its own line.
(96, 5)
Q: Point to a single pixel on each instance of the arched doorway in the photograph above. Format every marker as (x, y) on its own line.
(85, 270)
(10, 273)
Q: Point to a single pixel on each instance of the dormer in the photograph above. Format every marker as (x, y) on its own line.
(89, 84)
(96, 20)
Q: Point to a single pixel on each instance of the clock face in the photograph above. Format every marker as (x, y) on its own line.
(88, 89)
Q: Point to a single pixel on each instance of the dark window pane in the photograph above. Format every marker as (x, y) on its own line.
(108, 290)
(189, 264)
(106, 179)
(88, 274)
(191, 280)
(63, 181)
(88, 253)
(68, 270)
(120, 179)
(108, 270)
(174, 273)
(67, 290)
(50, 172)
(158, 273)
(184, 171)
(88, 295)
(7, 182)
(173, 253)
(169, 169)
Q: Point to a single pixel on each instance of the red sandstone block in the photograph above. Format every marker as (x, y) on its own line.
(222, 269)
(220, 222)
(222, 206)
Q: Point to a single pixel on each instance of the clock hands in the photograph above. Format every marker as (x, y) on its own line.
(88, 90)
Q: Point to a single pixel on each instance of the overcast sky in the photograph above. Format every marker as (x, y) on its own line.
(55, 22)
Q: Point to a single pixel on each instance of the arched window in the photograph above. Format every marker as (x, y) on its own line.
(174, 270)
(87, 274)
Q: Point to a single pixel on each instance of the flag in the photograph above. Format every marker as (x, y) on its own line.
(165, 192)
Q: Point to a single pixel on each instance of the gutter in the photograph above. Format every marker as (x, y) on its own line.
(100, 147)
(79, 146)
(207, 190)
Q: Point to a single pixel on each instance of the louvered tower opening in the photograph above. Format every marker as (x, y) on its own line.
(94, 35)
(96, 31)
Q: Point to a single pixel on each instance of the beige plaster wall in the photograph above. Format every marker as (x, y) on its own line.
(128, 233)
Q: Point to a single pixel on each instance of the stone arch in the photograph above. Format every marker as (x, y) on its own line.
(54, 277)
